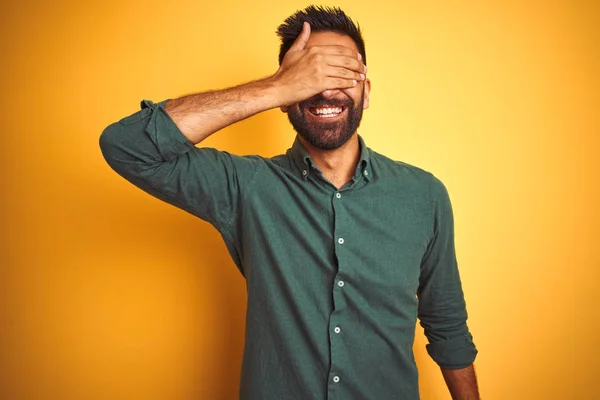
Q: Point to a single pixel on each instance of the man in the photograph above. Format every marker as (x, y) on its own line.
(341, 247)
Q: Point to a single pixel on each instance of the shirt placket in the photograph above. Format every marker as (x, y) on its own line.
(340, 285)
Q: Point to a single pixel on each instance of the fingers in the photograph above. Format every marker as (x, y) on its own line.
(346, 62)
(339, 83)
(344, 67)
(302, 38)
(337, 50)
(341, 72)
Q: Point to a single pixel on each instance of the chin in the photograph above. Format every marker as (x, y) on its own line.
(331, 143)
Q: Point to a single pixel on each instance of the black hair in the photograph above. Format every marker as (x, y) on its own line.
(320, 19)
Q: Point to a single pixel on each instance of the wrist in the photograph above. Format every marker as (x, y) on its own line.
(274, 91)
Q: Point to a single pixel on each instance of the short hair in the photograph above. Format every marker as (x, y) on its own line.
(320, 19)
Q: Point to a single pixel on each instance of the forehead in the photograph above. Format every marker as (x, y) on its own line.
(327, 38)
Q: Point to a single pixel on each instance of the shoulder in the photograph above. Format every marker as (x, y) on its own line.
(410, 177)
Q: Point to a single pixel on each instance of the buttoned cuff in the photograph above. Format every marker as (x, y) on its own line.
(169, 140)
(455, 353)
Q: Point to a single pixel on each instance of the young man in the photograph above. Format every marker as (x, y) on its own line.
(341, 247)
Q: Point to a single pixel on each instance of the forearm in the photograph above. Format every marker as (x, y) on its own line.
(143, 145)
(200, 115)
(462, 383)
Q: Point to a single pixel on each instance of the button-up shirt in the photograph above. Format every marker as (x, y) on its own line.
(335, 278)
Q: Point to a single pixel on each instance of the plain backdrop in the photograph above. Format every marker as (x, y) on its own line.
(108, 293)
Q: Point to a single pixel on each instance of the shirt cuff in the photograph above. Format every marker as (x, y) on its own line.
(455, 353)
(169, 140)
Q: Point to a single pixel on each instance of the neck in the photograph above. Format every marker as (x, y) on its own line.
(337, 165)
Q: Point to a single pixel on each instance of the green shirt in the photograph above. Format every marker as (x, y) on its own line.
(335, 278)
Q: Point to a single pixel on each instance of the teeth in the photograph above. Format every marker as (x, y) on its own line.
(334, 110)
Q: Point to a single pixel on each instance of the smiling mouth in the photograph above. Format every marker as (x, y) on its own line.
(326, 112)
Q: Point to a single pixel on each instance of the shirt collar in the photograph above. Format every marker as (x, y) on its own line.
(306, 166)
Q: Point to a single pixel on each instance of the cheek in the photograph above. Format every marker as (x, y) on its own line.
(354, 93)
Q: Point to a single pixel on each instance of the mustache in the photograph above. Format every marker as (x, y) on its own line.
(320, 102)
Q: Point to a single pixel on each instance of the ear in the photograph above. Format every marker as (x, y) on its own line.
(283, 109)
(366, 94)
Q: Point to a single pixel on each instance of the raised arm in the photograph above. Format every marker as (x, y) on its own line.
(155, 150)
(303, 74)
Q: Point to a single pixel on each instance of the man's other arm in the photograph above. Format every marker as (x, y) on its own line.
(442, 308)
(462, 383)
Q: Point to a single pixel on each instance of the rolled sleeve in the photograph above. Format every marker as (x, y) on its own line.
(456, 353)
(169, 140)
(442, 308)
(148, 149)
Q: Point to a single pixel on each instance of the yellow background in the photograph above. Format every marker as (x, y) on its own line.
(108, 293)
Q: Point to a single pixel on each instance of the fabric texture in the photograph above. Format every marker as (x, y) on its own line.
(335, 279)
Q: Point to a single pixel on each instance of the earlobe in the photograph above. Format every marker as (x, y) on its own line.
(283, 109)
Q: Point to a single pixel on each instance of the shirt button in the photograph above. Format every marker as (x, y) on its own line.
(336, 379)
(366, 172)
(341, 283)
(338, 195)
(337, 329)
(304, 172)
(341, 240)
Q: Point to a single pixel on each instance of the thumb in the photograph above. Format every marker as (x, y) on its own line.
(302, 38)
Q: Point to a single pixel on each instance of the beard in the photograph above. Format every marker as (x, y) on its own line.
(327, 135)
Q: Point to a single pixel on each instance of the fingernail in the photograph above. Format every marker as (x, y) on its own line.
(359, 56)
(362, 76)
(353, 82)
(365, 69)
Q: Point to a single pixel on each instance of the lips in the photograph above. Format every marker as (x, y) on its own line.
(326, 112)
